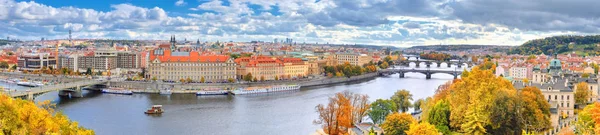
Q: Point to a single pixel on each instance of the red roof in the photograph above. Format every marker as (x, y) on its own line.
(9, 59)
(193, 57)
(253, 61)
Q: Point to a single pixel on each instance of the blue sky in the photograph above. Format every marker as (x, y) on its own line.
(382, 22)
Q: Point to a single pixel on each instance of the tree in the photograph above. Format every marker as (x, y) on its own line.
(380, 109)
(402, 100)
(526, 80)
(188, 80)
(248, 77)
(360, 105)
(588, 121)
(182, 80)
(439, 116)
(582, 94)
(254, 80)
(276, 77)
(336, 117)
(230, 80)
(14, 67)
(4, 64)
(422, 128)
(88, 71)
(397, 123)
(262, 78)
(154, 78)
(535, 110)
(585, 75)
(24, 117)
(417, 104)
(202, 80)
(384, 65)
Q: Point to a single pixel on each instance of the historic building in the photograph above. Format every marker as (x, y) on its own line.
(294, 67)
(353, 59)
(260, 67)
(167, 64)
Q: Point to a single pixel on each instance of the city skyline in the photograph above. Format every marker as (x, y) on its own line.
(396, 22)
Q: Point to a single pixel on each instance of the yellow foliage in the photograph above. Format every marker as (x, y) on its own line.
(23, 117)
(397, 123)
(422, 128)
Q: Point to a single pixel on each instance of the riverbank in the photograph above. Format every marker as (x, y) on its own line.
(154, 87)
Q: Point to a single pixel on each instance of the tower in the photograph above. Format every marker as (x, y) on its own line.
(70, 38)
(173, 47)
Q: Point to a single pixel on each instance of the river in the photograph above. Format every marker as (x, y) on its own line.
(276, 113)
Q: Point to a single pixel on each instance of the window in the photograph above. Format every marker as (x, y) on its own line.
(555, 97)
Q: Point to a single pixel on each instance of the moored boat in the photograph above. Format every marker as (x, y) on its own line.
(166, 92)
(212, 92)
(117, 91)
(259, 90)
(26, 83)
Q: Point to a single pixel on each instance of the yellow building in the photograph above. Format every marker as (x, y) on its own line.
(294, 67)
(259, 67)
(174, 66)
(353, 59)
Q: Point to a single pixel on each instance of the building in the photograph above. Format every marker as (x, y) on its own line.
(168, 65)
(260, 67)
(294, 67)
(104, 60)
(35, 61)
(518, 72)
(353, 59)
(365, 129)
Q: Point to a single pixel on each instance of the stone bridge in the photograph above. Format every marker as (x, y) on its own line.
(74, 88)
(426, 72)
(438, 63)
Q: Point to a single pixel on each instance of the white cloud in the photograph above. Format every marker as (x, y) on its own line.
(180, 3)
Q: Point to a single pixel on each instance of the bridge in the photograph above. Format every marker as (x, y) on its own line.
(74, 88)
(418, 62)
(427, 72)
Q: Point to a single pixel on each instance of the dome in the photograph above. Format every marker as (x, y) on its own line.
(555, 63)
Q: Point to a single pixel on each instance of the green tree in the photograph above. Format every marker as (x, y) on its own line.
(397, 123)
(402, 100)
(88, 71)
(380, 109)
(248, 77)
(417, 105)
(14, 67)
(439, 115)
(4, 64)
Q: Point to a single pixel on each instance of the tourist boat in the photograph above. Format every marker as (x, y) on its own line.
(27, 84)
(156, 109)
(38, 83)
(117, 91)
(166, 92)
(212, 92)
(258, 90)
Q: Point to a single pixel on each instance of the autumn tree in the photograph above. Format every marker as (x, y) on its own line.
(402, 100)
(255, 80)
(585, 75)
(23, 117)
(230, 80)
(589, 120)
(534, 110)
(202, 80)
(384, 65)
(335, 117)
(422, 128)
(582, 94)
(262, 78)
(360, 105)
(188, 80)
(380, 109)
(248, 77)
(397, 123)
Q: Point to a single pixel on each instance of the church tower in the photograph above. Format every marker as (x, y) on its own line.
(173, 42)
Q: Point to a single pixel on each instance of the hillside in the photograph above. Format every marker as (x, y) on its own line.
(582, 45)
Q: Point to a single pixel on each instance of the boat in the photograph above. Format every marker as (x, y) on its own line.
(268, 89)
(212, 92)
(117, 91)
(27, 84)
(38, 83)
(156, 109)
(166, 92)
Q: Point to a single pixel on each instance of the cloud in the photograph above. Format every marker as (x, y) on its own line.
(180, 3)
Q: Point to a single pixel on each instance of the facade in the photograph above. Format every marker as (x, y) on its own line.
(518, 72)
(353, 59)
(294, 67)
(166, 65)
(35, 61)
(260, 67)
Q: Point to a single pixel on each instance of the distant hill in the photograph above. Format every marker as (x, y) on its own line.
(454, 47)
(582, 45)
(5, 42)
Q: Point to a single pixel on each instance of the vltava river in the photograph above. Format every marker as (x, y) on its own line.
(277, 113)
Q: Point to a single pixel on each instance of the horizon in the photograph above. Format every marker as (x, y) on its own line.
(397, 23)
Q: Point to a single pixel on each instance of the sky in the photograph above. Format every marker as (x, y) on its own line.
(377, 22)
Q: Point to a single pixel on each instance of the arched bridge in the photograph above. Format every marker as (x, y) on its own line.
(438, 63)
(427, 72)
(33, 92)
